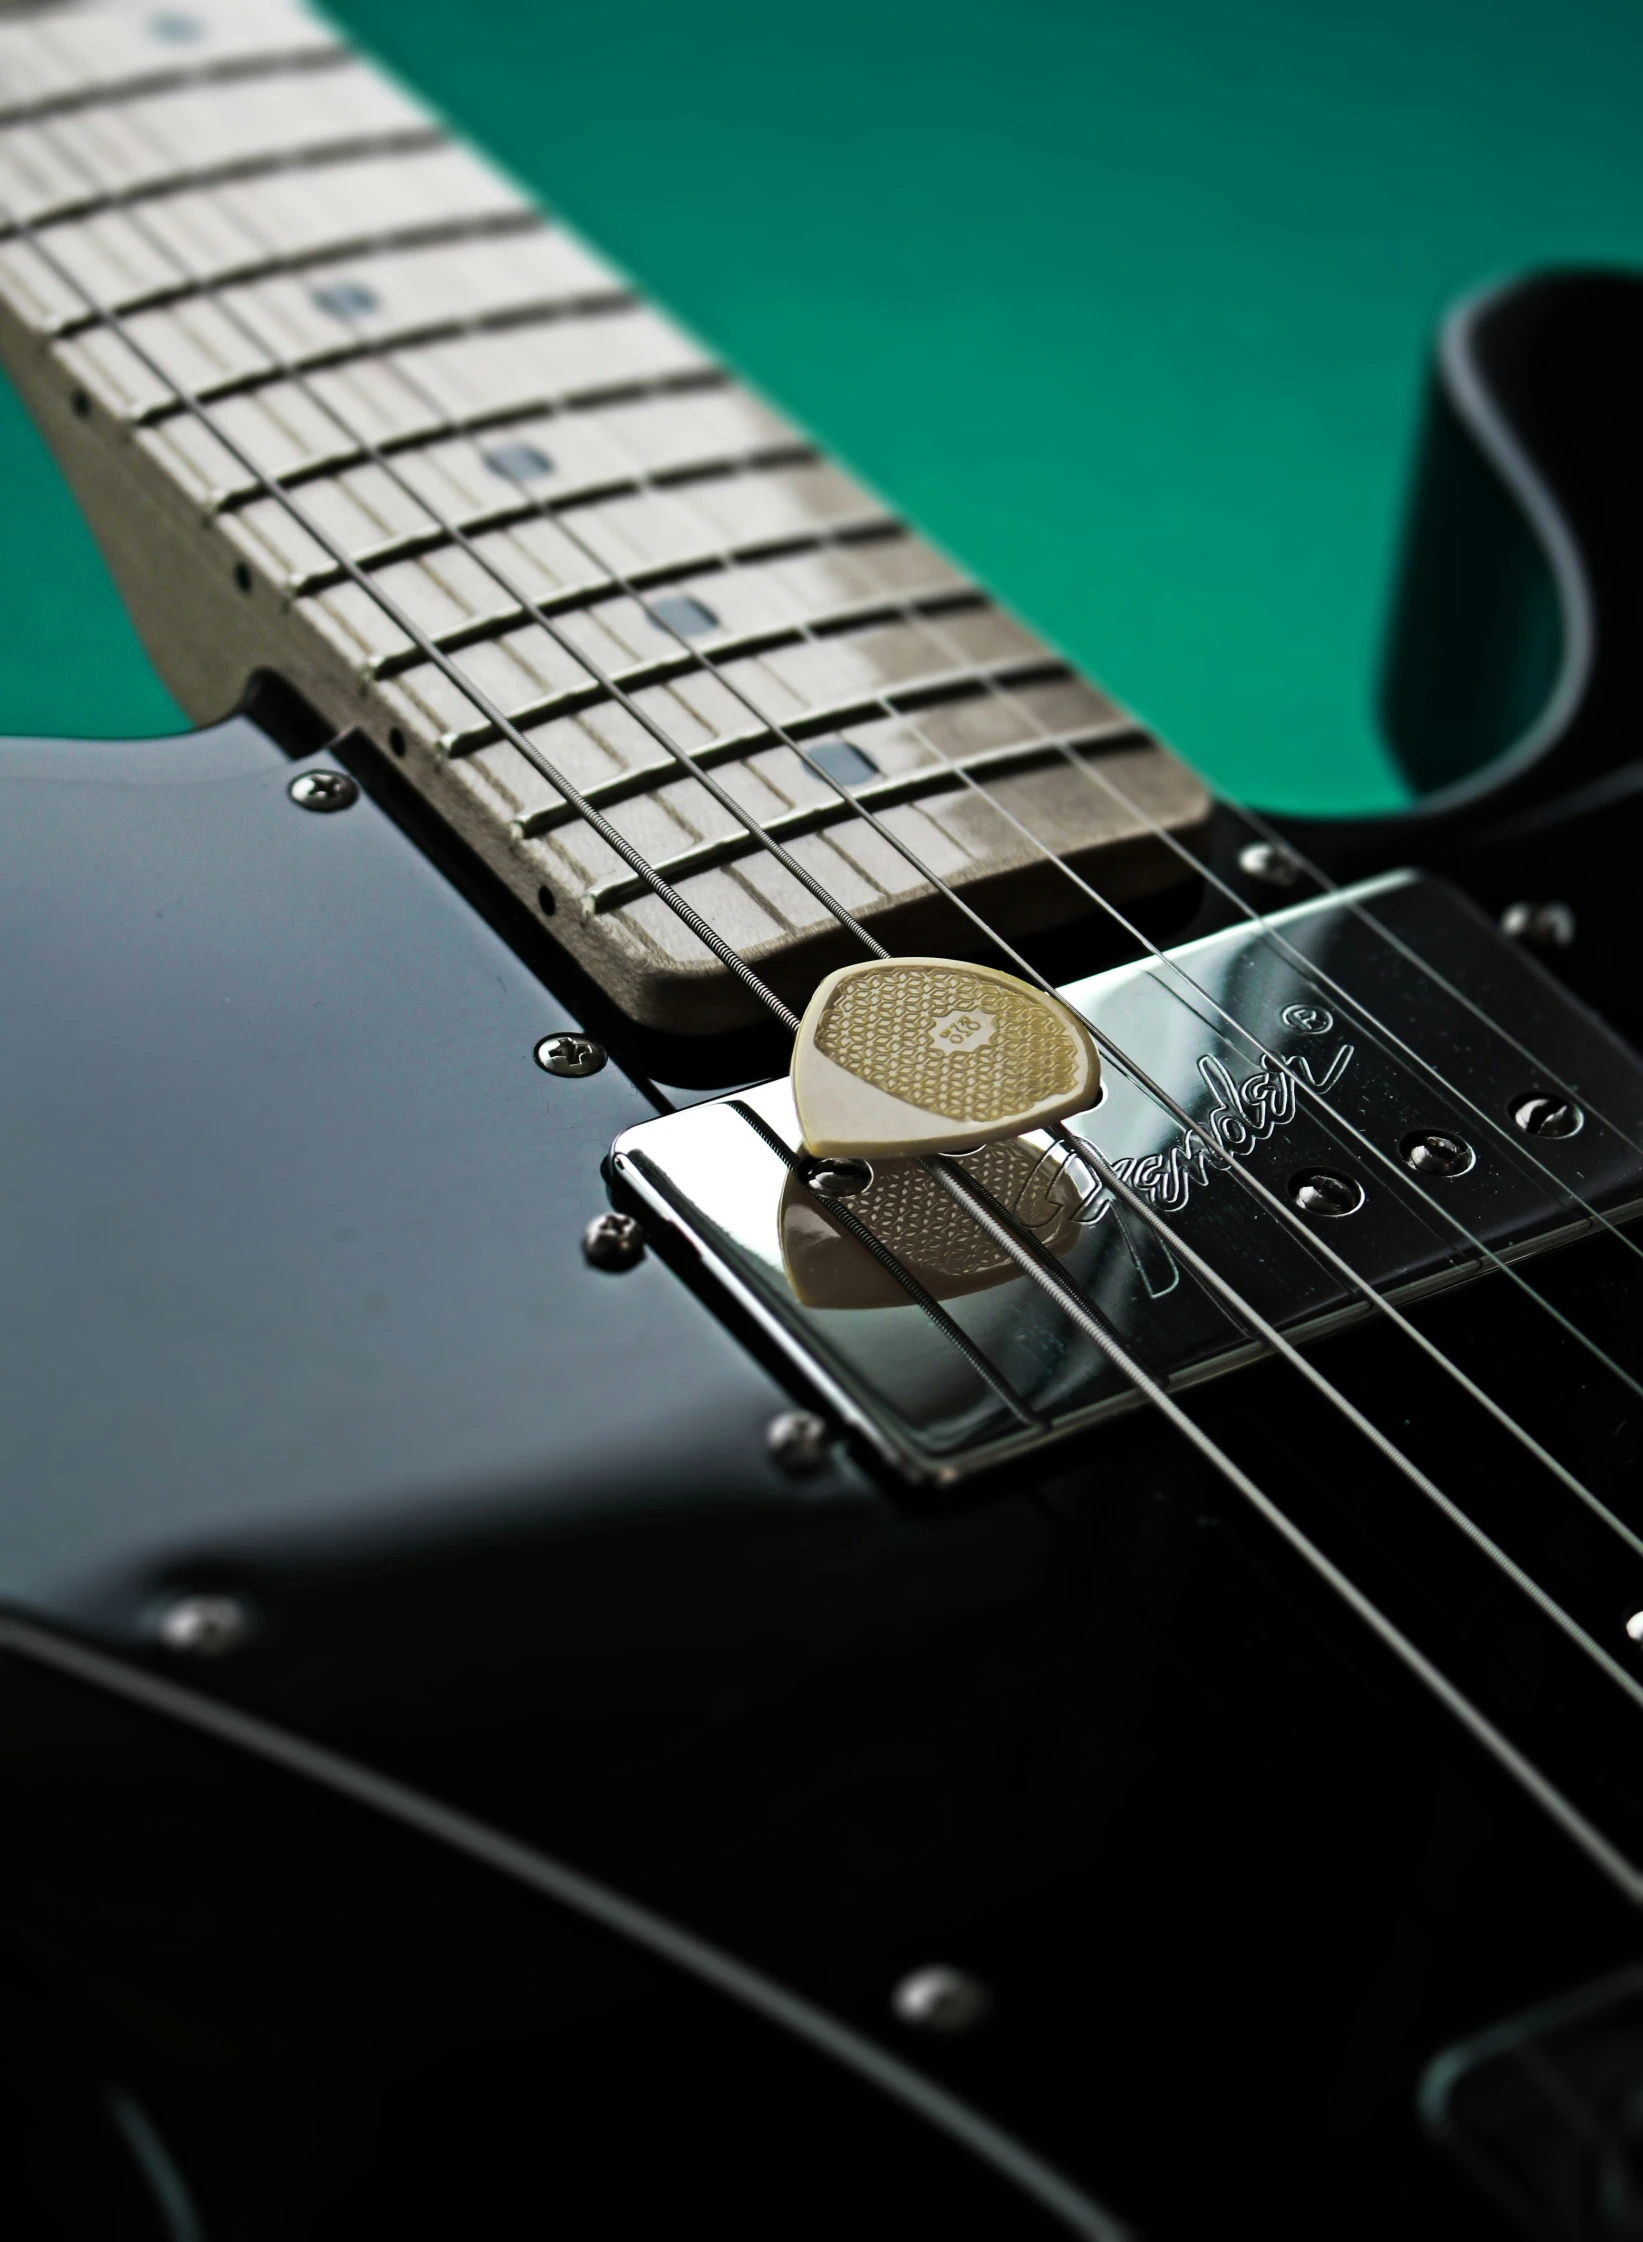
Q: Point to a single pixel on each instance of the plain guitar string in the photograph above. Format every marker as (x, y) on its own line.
(929, 621)
(1054, 1283)
(442, 423)
(112, 319)
(991, 1217)
(1374, 1299)
(1093, 773)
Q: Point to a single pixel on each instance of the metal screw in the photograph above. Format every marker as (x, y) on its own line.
(613, 1241)
(799, 1441)
(1540, 926)
(204, 1626)
(1634, 1627)
(1548, 1117)
(570, 1054)
(1434, 1152)
(941, 2000)
(1269, 863)
(323, 790)
(1322, 1191)
(837, 1179)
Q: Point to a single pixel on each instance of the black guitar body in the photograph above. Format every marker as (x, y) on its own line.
(458, 1780)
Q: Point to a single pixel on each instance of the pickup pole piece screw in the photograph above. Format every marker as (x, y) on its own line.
(613, 1241)
(323, 790)
(203, 1626)
(799, 1441)
(1322, 1191)
(837, 1179)
(1435, 1152)
(570, 1054)
(1539, 926)
(1548, 1117)
(1269, 864)
(941, 2000)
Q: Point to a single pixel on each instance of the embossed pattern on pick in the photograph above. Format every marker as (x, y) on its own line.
(909, 1055)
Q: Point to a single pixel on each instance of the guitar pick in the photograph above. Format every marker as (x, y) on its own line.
(903, 1056)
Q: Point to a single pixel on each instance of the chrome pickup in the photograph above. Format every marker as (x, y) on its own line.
(1418, 1098)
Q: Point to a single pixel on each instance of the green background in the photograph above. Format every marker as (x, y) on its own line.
(1128, 305)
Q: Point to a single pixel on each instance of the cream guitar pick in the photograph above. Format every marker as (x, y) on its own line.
(910, 1055)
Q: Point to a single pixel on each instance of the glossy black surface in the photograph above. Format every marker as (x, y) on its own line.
(296, 1309)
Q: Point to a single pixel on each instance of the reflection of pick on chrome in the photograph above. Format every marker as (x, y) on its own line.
(908, 1055)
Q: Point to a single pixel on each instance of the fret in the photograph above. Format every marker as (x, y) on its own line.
(210, 344)
(919, 750)
(163, 141)
(707, 709)
(554, 455)
(523, 670)
(71, 56)
(453, 597)
(198, 238)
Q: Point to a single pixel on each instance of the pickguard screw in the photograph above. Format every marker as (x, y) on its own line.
(799, 1441)
(1322, 1191)
(1539, 926)
(1548, 1117)
(836, 1179)
(1269, 863)
(323, 790)
(1435, 1152)
(570, 1054)
(941, 2000)
(203, 1626)
(613, 1241)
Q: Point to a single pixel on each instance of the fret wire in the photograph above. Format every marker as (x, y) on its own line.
(1006, 1236)
(775, 848)
(910, 786)
(180, 78)
(597, 304)
(408, 140)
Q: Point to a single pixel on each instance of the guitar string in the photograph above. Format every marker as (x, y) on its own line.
(1093, 774)
(1004, 1232)
(443, 424)
(114, 321)
(1422, 1481)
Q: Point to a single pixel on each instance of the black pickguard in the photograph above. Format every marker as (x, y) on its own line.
(295, 1310)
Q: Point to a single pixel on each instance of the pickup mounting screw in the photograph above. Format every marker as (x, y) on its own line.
(1270, 864)
(323, 790)
(1435, 1152)
(203, 1626)
(799, 1441)
(1322, 1191)
(1539, 926)
(613, 1241)
(941, 2000)
(1548, 1117)
(570, 1054)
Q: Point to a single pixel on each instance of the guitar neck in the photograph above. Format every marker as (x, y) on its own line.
(339, 402)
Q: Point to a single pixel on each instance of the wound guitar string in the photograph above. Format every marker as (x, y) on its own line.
(1292, 1219)
(1020, 1250)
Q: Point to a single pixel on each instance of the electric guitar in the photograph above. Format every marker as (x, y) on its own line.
(787, 1454)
